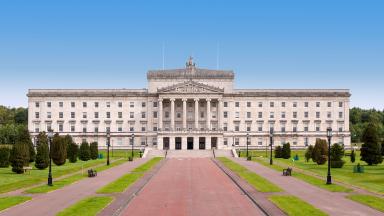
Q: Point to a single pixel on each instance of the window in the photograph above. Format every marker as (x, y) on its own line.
(49, 104)
(143, 114)
(154, 128)
(260, 104)
(317, 114)
(306, 104)
(119, 127)
(72, 128)
(237, 104)
(225, 114)
(96, 104)
(49, 115)
(201, 114)
(96, 114)
(283, 128)
(225, 141)
(294, 104)
(60, 127)
(225, 104)
(237, 141)
(143, 104)
(72, 114)
(260, 141)
(329, 114)
(131, 115)
(282, 114)
(84, 115)
(225, 127)
(271, 104)
(306, 141)
(37, 104)
(294, 127)
(306, 127)
(73, 104)
(108, 129)
(237, 128)
(60, 114)
(317, 127)
(37, 115)
(306, 114)
(143, 128)
(237, 115)
(282, 104)
(155, 104)
(132, 104)
(329, 104)
(178, 105)
(317, 104)
(249, 104)
(84, 104)
(120, 115)
(154, 114)
(108, 104)
(61, 104)
(96, 129)
(108, 115)
(271, 127)
(294, 114)
(260, 115)
(84, 129)
(132, 127)
(166, 114)
(340, 104)
(248, 128)
(248, 114)
(49, 127)
(340, 114)
(120, 104)
(178, 115)
(271, 115)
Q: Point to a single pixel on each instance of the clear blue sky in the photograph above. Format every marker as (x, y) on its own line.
(269, 44)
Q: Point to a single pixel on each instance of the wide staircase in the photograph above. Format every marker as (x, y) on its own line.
(189, 153)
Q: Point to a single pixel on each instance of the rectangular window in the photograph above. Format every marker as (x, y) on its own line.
(317, 104)
(329, 114)
(155, 104)
(306, 115)
(340, 104)
(108, 129)
(84, 104)
(73, 104)
(108, 104)
(329, 104)
(84, 115)
(166, 114)
(61, 115)
(72, 114)
(49, 104)
(283, 128)
(271, 104)
(237, 115)
(49, 115)
(119, 127)
(306, 141)
(282, 104)
(260, 104)
(143, 104)
(294, 104)
(61, 104)
(282, 114)
(154, 128)
(154, 114)
(72, 128)
(237, 141)
(178, 115)
(84, 129)
(120, 104)
(225, 114)
(294, 115)
(259, 141)
(96, 114)
(37, 115)
(201, 114)
(225, 127)
(237, 128)
(37, 104)
(248, 114)
(237, 104)
(249, 104)
(143, 128)
(120, 114)
(131, 115)
(340, 114)
(132, 104)
(306, 127)
(271, 115)
(260, 127)
(61, 127)
(225, 141)
(260, 115)
(317, 127)
(306, 104)
(96, 104)
(294, 128)
(248, 128)
(143, 114)
(96, 130)
(225, 104)
(108, 114)
(317, 114)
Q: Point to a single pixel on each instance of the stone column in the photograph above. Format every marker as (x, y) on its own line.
(208, 113)
(220, 114)
(184, 114)
(172, 114)
(197, 114)
(160, 114)
(184, 142)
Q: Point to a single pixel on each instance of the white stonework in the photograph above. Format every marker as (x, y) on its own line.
(192, 108)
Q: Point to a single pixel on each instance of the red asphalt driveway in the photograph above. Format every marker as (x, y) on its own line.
(191, 187)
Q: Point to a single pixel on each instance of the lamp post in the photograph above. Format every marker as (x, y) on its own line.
(133, 142)
(329, 135)
(50, 135)
(108, 144)
(271, 144)
(247, 144)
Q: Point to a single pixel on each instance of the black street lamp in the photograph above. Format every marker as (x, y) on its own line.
(271, 144)
(50, 136)
(133, 142)
(247, 144)
(108, 144)
(329, 135)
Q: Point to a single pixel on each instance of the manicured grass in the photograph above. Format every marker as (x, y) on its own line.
(87, 207)
(372, 201)
(7, 202)
(294, 206)
(10, 181)
(120, 153)
(372, 179)
(57, 184)
(122, 183)
(260, 183)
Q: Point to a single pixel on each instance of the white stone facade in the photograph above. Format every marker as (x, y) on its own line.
(191, 108)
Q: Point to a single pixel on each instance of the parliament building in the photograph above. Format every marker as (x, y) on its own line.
(192, 108)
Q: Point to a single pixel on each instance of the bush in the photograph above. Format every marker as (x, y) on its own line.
(42, 155)
(85, 153)
(58, 150)
(19, 157)
(278, 152)
(72, 152)
(353, 156)
(286, 151)
(371, 149)
(308, 153)
(320, 152)
(25, 138)
(4, 156)
(337, 153)
(94, 150)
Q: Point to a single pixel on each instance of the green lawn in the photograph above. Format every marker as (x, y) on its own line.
(372, 201)
(122, 183)
(10, 181)
(87, 207)
(120, 153)
(260, 183)
(57, 184)
(294, 206)
(7, 202)
(371, 180)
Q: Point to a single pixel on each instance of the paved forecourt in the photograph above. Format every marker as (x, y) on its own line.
(191, 186)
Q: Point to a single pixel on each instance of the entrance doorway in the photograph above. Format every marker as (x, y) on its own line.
(190, 143)
(214, 142)
(201, 142)
(165, 143)
(178, 143)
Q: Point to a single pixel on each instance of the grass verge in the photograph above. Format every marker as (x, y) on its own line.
(371, 201)
(122, 183)
(261, 184)
(294, 206)
(7, 202)
(87, 207)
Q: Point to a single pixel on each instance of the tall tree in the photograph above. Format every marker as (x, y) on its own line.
(42, 155)
(286, 151)
(337, 153)
(19, 157)
(58, 150)
(320, 151)
(371, 149)
(85, 153)
(94, 150)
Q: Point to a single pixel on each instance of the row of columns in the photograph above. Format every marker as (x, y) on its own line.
(196, 100)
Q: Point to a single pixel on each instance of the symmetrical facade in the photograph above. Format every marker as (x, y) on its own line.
(192, 108)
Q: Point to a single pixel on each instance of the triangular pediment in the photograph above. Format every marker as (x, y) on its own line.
(189, 87)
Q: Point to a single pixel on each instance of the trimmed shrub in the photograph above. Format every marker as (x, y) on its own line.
(84, 153)
(4, 156)
(353, 156)
(320, 152)
(371, 149)
(278, 152)
(42, 155)
(337, 153)
(286, 151)
(19, 157)
(25, 138)
(94, 150)
(58, 150)
(308, 153)
(72, 152)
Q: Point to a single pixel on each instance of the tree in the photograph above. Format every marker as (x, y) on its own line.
(286, 151)
(85, 153)
(19, 157)
(353, 156)
(25, 138)
(308, 153)
(58, 150)
(94, 150)
(42, 155)
(337, 153)
(72, 152)
(278, 152)
(320, 151)
(371, 149)
(4, 155)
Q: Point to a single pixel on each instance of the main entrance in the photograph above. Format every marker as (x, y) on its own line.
(190, 143)
(166, 143)
(178, 143)
(201, 142)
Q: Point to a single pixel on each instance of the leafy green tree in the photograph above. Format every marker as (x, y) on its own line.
(353, 156)
(19, 157)
(4, 155)
(278, 152)
(85, 153)
(320, 152)
(58, 150)
(94, 150)
(308, 153)
(72, 152)
(286, 151)
(371, 149)
(42, 156)
(337, 153)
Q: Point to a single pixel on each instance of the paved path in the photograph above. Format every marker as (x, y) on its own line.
(191, 187)
(332, 203)
(53, 202)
